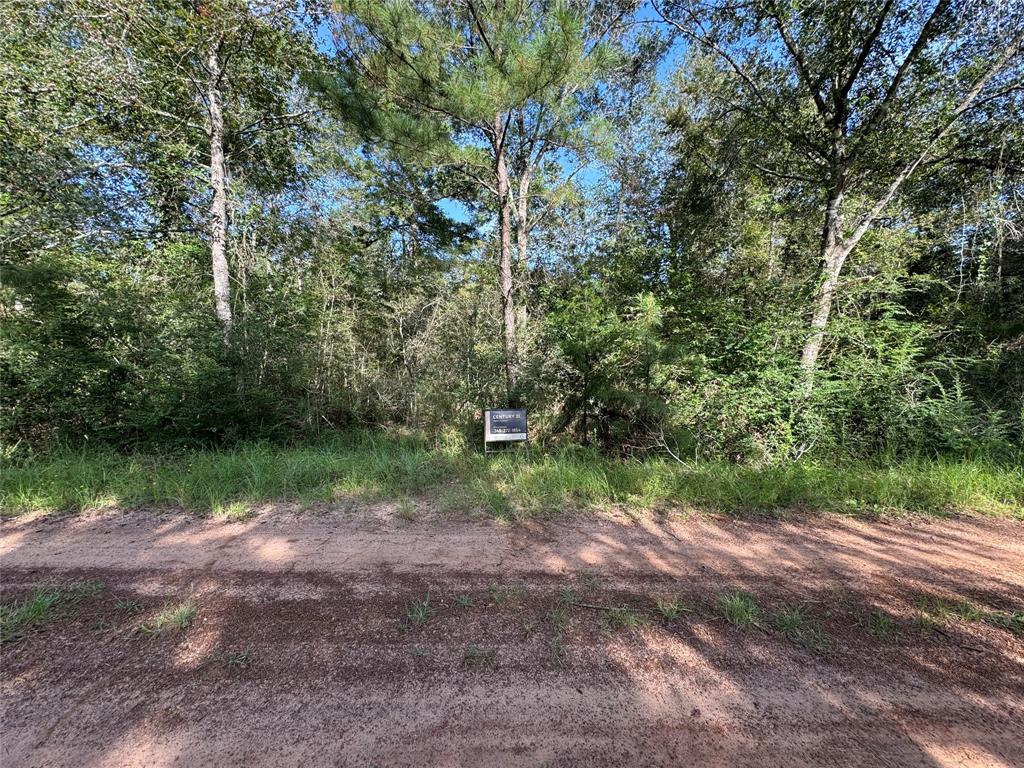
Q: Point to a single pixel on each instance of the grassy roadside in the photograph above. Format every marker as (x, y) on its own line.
(375, 465)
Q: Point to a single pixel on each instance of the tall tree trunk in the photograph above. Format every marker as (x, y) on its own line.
(506, 282)
(522, 243)
(832, 255)
(218, 203)
(832, 265)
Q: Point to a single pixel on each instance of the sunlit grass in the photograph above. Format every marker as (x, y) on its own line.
(173, 616)
(44, 604)
(671, 608)
(231, 482)
(740, 609)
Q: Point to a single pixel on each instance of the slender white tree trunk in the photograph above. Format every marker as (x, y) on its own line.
(832, 266)
(218, 202)
(832, 256)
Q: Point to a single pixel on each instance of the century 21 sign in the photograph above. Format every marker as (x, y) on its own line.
(505, 425)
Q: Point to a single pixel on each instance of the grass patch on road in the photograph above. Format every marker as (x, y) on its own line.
(878, 623)
(622, 619)
(229, 482)
(128, 606)
(233, 660)
(740, 609)
(44, 605)
(417, 613)
(671, 608)
(558, 618)
(798, 626)
(172, 617)
(1012, 621)
(932, 613)
(507, 593)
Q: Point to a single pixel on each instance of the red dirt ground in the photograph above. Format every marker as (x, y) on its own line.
(529, 671)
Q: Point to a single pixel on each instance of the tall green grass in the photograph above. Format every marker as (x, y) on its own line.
(381, 466)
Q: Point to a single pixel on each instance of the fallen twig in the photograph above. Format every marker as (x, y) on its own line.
(606, 607)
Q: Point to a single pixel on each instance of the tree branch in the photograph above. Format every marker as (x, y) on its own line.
(862, 226)
(769, 110)
(919, 45)
(865, 51)
(801, 66)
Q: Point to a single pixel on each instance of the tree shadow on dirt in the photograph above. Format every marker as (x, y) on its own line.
(338, 676)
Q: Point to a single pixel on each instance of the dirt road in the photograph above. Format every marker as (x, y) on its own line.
(365, 640)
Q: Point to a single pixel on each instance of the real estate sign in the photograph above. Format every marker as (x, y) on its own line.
(505, 425)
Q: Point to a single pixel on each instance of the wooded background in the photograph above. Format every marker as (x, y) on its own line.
(746, 230)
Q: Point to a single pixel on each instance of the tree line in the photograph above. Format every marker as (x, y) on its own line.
(754, 231)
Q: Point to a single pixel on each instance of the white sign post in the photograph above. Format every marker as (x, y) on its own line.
(505, 425)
